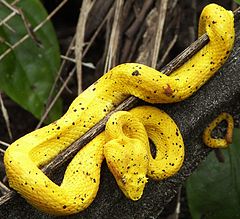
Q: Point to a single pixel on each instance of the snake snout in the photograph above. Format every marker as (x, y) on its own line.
(134, 186)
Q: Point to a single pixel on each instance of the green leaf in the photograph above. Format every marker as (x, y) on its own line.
(237, 1)
(27, 73)
(213, 191)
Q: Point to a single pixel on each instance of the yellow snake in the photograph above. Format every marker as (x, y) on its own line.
(125, 141)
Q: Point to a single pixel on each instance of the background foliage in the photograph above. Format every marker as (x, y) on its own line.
(213, 191)
(28, 72)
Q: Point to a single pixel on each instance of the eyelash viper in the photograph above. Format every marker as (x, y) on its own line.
(131, 165)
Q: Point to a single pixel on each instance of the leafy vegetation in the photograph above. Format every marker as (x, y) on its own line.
(237, 1)
(213, 191)
(28, 71)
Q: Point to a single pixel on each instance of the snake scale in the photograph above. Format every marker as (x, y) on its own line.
(124, 143)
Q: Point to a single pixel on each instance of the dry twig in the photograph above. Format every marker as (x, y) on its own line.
(49, 100)
(2, 152)
(56, 97)
(135, 31)
(29, 29)
(11, 6)
(114, 37)
(6, 117)
(169, 48)
(80, 33)
(40, 25)
(108, 15)
(14, 12)
(4, 189)
(158, 38)
(4, 143)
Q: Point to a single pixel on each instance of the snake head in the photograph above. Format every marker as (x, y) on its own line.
(127, 159)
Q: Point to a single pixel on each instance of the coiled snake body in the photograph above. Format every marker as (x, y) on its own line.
(125, 140)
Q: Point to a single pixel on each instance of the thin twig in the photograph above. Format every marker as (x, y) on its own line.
(9, 27)
(158, 38)
(97, 31)
(169, 48)
(14, 12)
(4, 143)
(139, 19)
(4, 189)
(7, 197)
(86, 64)
(80, 33)
(44, 116)
(114, 37)
(6, 117)
(2, 151)
(10, 6)
(68, 58)
(29, 29)
(5, 42)
(135, 31)
(178, 207)
(146, 32)
(56, 97)
(40, 25)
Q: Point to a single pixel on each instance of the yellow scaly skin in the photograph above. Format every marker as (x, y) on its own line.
(219, 142)
(35, 149)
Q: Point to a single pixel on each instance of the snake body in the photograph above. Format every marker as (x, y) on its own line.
(219, 142)
(130, 166)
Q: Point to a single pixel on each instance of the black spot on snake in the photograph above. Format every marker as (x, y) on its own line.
(136, 73)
